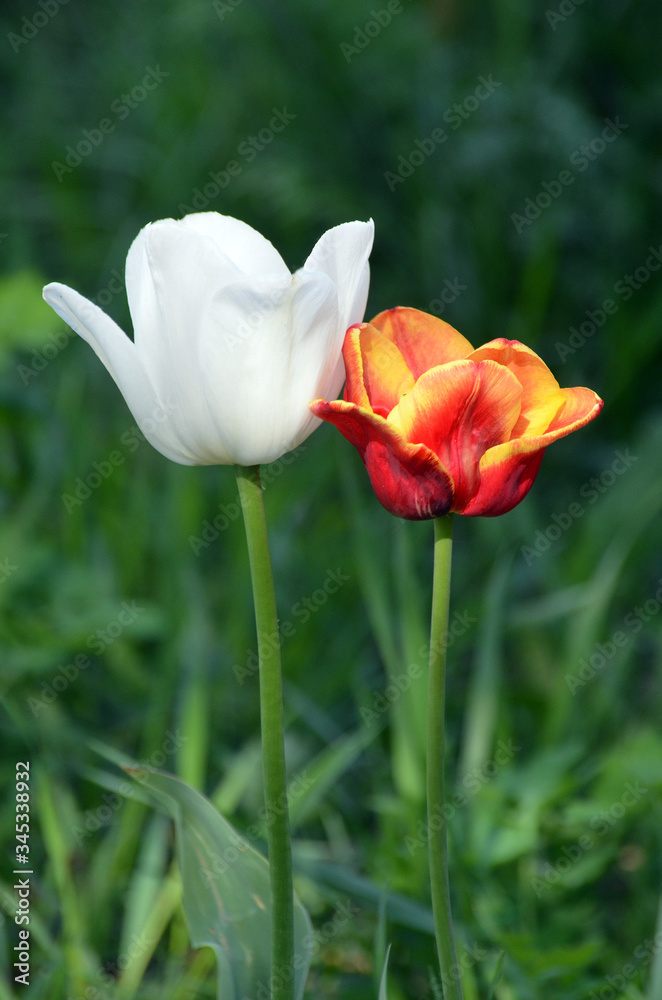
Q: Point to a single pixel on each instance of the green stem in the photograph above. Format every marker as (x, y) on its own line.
(441, 902)
(273, 742)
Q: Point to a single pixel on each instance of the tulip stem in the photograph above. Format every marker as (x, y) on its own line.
(273, 741)
(436, 790)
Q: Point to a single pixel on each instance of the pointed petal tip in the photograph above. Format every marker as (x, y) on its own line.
(321, 408)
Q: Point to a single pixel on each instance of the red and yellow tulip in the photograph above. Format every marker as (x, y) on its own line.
(442, 427)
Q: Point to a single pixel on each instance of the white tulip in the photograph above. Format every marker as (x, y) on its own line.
(229, 346)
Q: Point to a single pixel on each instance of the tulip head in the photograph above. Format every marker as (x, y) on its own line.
(229, 346)
(442, 427)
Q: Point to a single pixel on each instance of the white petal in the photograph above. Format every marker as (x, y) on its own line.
(283, 346)
(248, 249)
(353, 315)
(140, 293)
(120, 357)
(356, 310)
(342, 253)
(181, 274)
(188, 260)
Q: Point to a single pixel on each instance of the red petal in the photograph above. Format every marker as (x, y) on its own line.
(580, 406)
(351, 351)
(424, 341)
(460, 411)
(385, 376)
(541, 396)
(507, 471)
(408, 479)
(504, 483)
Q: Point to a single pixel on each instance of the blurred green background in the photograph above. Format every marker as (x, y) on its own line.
(535, 215)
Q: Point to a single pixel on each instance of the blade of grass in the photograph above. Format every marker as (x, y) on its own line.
(483, 695)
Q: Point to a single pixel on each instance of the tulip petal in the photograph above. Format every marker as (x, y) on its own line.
(351, 353)
(166, 257)
(250, 251)
(580, 406)
(281, 360)
(408, 479)
(384, 374)
(424, 341)
(154, 416)
(504, 481)
(355, 310)
(202, 253)
(342, 254)
(353, 315)
(460, 410)
(541, 396)
(507, 471)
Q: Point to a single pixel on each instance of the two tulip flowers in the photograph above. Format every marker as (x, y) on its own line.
(230, 347)
(442, 427)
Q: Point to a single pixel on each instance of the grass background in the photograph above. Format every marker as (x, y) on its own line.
(555, 861)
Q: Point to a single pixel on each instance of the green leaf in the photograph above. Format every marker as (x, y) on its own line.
(226, 892)
(323, 773)
(654, 991)
(498, 973)
(381, 950)
(382, 985)
(399, 909)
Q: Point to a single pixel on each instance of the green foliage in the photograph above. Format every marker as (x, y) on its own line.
(225, 892)
(113, 628)
(25, 319)
(383, 992)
